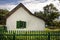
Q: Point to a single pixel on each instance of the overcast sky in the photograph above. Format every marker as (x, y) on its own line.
(32, 5)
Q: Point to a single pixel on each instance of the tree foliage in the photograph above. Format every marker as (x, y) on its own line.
(3, 12)
(49, 14)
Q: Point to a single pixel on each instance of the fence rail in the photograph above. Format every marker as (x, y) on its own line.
(30, 35)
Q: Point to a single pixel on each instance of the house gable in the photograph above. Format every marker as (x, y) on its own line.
(19, 6)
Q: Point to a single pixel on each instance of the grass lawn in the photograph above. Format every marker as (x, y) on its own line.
(47, 29)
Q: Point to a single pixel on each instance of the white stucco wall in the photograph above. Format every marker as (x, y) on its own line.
(33, 23)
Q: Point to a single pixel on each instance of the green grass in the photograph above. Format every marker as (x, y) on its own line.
(47, 29)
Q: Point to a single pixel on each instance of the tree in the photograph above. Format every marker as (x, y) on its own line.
(3, 12)
(49, 14)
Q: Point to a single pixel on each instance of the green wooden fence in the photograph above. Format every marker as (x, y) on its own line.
(30, 35)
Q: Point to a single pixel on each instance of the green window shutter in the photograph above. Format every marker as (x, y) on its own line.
(24, 23)
(18, 24)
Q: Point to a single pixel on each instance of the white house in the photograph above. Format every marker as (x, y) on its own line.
(20, 18)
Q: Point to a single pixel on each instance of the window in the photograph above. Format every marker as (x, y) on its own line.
(21, 24)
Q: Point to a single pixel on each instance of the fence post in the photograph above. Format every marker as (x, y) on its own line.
(48, 35)
(26, 35)
(13, 36)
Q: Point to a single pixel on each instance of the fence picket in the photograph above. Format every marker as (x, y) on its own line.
(30, 35)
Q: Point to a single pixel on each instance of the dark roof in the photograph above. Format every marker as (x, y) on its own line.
(17, 7)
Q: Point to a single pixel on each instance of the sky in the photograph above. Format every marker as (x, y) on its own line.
(32, 5)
